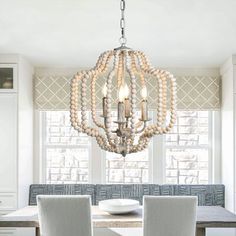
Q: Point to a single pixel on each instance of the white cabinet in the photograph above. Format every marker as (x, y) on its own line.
(8, 232)
(16, 136)
(8, 78)
(8, 143)
(8, 202)
(16, 133)
(8, 152)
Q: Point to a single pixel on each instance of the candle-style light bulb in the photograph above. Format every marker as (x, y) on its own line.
(121, 93)
(143, 92)
(126, 90)
(104, 90)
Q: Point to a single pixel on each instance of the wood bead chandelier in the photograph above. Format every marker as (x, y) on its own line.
(123, 68)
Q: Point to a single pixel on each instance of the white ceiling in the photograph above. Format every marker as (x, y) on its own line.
(173, 33)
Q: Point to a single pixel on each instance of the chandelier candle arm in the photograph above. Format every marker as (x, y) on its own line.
(144, 104)
(130, 69)
(121, 112)
(126, 101)
(144, 110)
(127, 108)
(104, 100)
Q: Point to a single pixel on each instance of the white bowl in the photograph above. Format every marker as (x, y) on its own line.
(119, 206)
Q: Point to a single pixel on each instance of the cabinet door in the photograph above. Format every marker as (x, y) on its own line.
(7, 232)
(8, 202)
(8, 78)
(8, 142)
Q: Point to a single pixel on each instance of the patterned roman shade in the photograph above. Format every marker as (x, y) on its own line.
(195, 92)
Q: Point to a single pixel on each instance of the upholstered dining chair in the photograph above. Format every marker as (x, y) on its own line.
(169, 216)
(64, 215)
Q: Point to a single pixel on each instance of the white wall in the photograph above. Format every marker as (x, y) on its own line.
(228, 110)
(25, 131)
(227, 131)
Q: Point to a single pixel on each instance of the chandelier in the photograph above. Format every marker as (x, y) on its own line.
(127, 70)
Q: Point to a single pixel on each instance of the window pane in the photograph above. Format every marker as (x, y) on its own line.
(130, 169)
(191, 129)
(67, 166)
(187, 166)
(60, 132)
(66, 151)
(187, 149)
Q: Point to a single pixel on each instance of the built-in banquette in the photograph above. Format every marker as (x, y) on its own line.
(208, 195)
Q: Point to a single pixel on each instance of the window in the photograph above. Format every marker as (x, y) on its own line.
(67, 156)
(130, 169)
(187, 149)
(66, 153)
(134, 168)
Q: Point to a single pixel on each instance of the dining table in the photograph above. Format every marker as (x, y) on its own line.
(207, 217)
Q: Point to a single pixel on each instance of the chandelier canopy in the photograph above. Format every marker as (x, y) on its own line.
(124, 68)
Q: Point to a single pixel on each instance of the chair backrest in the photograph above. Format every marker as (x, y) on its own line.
(64, 215)
(169, 216)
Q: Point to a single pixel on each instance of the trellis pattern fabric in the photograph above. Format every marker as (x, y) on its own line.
(52, 92)
(208, 195)
(60, 189)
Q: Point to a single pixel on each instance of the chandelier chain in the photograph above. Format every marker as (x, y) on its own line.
(122, 23)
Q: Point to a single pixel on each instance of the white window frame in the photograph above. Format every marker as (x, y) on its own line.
(97, 165)
(213, 148)
(44, 146)
(150, 165)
